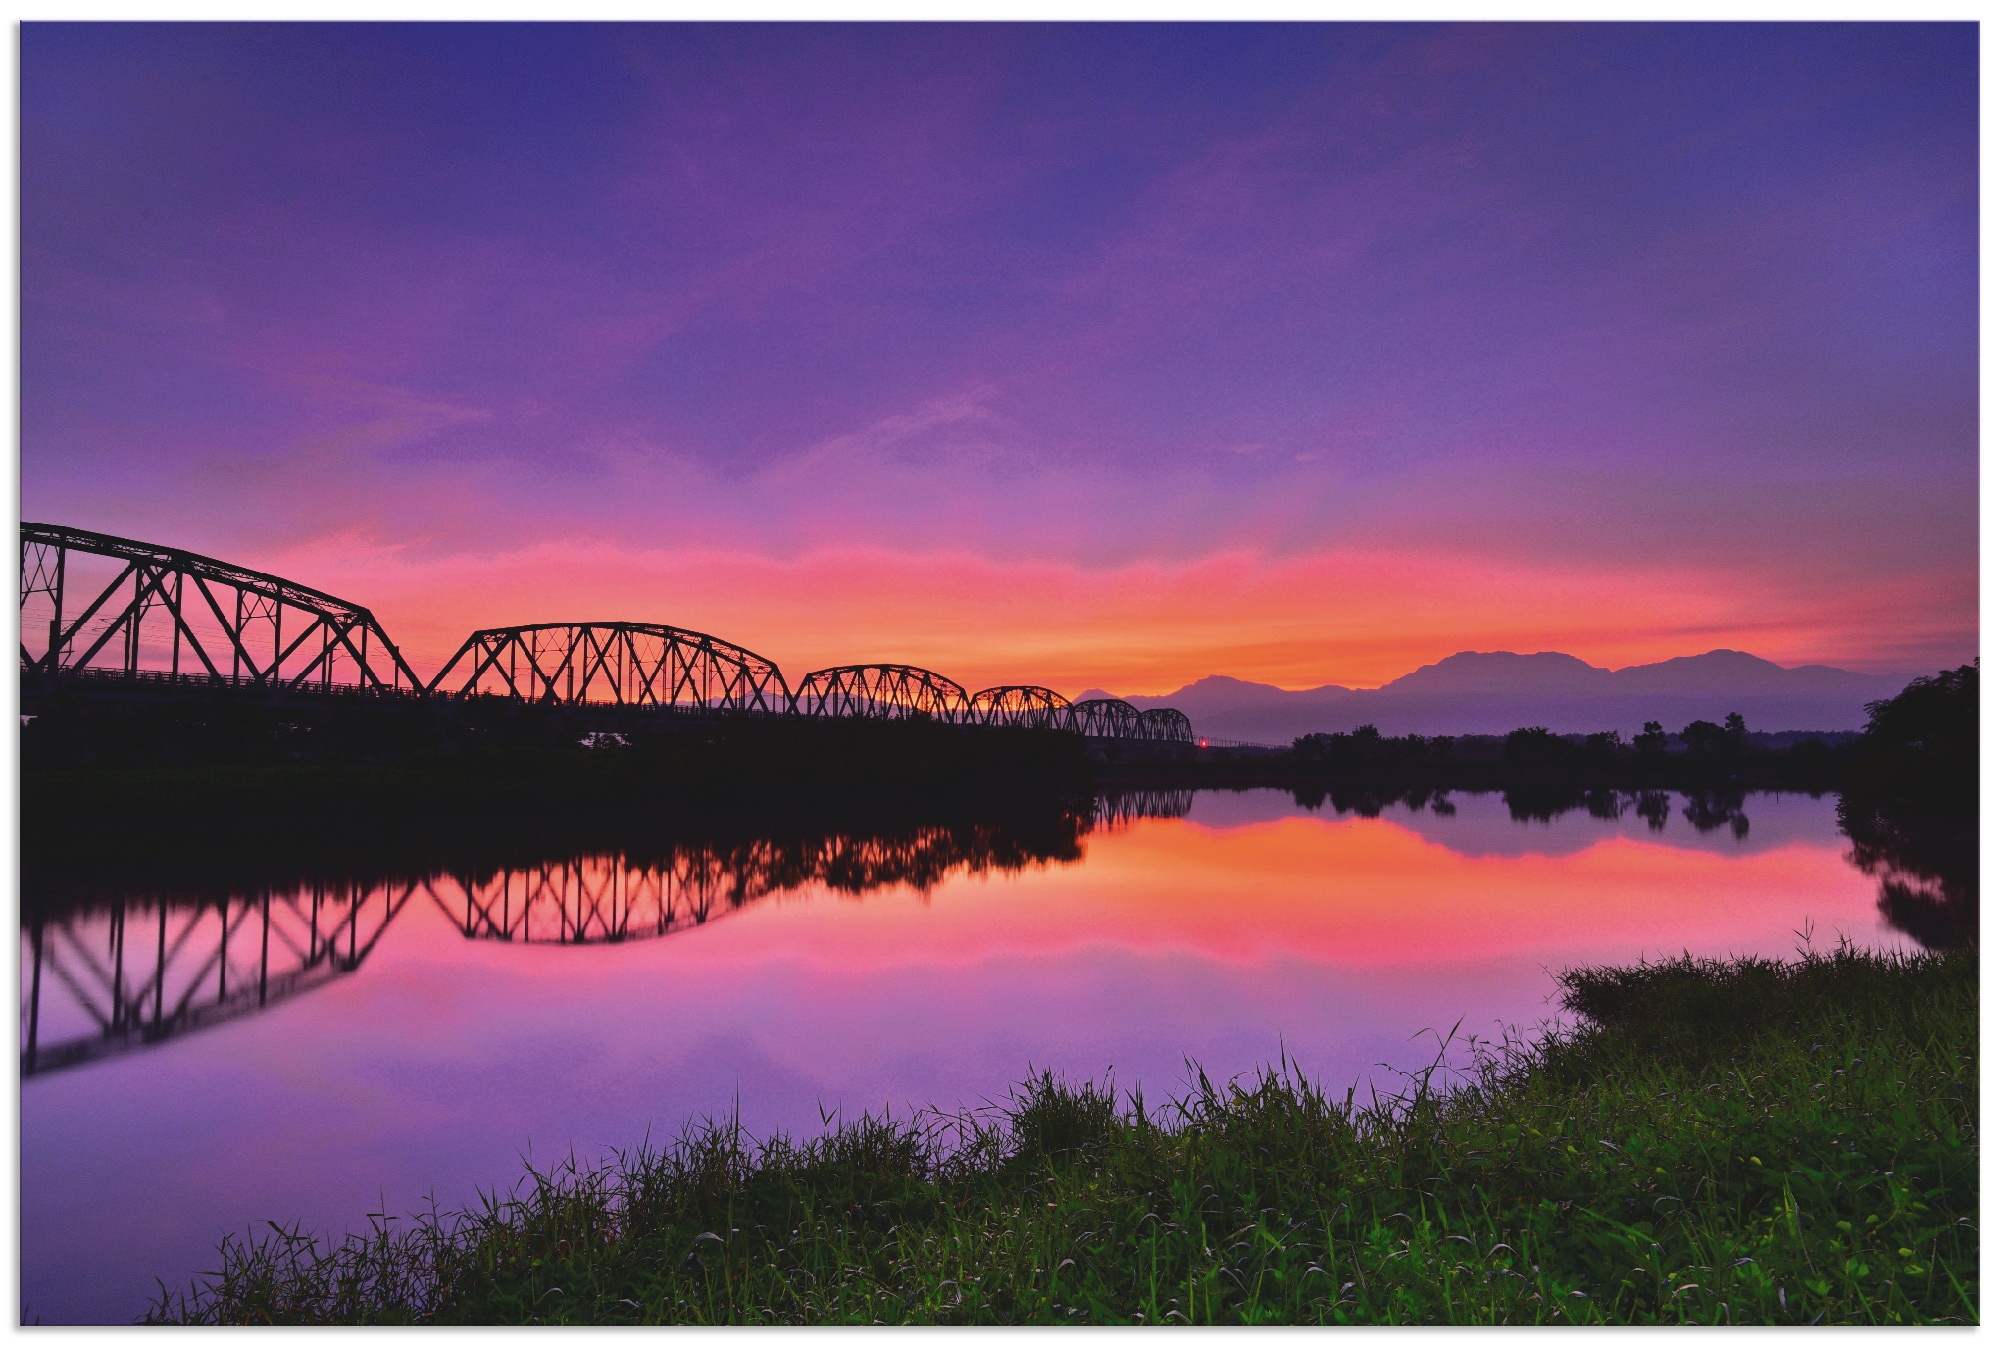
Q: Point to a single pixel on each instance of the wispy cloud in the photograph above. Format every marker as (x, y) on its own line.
(1644, 336)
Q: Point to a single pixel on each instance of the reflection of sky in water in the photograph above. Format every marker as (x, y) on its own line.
(1251, 924)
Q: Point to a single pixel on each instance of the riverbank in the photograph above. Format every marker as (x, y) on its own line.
(1745, 1142)
(177, 802)
(353, 814)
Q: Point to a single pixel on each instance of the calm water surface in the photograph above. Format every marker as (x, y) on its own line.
(520, 1014)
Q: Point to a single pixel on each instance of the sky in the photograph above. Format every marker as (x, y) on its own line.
(1088, 355)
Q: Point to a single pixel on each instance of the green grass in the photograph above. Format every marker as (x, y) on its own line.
(1717, 1142)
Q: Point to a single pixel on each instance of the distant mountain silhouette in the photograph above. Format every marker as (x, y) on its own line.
(1505, 672)
(1735, 671)
(1490, 693)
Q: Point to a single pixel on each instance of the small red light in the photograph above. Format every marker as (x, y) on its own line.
(1202, 743)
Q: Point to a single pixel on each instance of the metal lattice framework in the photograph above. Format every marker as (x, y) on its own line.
(107, 981)
(616, 663)
(1165, 725)
(1107, 718)
(881, 692)
(1023, 707)
(163, 614)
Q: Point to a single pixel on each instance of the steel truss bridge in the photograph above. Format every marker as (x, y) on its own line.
(112, 616)
(92, 603)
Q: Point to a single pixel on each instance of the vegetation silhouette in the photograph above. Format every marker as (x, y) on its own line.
(1909, 788)
(1928, 730)
(1699, 746)
(1914, 816)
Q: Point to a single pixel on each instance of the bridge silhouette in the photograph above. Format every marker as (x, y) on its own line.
(118, 618)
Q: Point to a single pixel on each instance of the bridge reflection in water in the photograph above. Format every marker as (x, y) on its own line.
(103, 978)
(1119, 808)
(614, 899)
(591, 900)
(136, 971)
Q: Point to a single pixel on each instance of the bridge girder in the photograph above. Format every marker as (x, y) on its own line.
(97, 628)
(616, 663)
(881, 692)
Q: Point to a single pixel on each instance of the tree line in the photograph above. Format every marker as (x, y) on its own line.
(1930, 727)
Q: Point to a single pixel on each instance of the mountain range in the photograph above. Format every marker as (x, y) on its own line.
(1473, 693)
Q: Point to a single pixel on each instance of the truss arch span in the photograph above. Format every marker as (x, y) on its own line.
(1165, 725)
(614, 663)
(881, 692)
(96, 605)
(1107, 717)
(1020, 706)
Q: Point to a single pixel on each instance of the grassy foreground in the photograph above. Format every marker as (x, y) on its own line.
(1718, 1142)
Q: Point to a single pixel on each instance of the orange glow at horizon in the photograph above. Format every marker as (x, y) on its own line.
(1356, 617)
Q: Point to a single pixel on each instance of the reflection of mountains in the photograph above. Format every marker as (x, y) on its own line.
(107, 972)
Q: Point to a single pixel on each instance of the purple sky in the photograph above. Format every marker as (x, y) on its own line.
(1085, 355)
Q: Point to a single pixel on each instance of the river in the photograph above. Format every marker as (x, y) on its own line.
(349, 1049)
